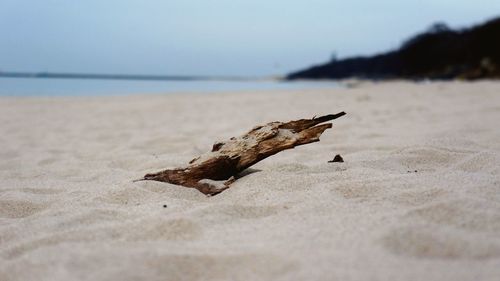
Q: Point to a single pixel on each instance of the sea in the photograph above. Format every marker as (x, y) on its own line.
(21, 87)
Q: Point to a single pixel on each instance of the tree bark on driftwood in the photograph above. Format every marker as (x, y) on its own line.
(214, 171)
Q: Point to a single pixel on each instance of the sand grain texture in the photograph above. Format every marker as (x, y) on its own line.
(417, 198)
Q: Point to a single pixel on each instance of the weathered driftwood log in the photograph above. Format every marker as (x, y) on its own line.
(214, 171)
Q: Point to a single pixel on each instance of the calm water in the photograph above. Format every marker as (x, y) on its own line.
(86, 87)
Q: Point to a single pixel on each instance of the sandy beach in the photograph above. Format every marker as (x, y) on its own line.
(417, 198)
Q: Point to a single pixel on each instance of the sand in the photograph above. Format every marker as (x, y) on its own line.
(418, 197)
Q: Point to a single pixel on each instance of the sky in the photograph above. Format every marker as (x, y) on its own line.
(213, 37)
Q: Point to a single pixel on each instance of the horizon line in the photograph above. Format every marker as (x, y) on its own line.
(66, 75)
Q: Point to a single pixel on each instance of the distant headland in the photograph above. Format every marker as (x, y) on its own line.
(438, 53)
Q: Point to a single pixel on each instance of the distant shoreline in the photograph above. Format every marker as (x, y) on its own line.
(439, 53)
(60, 75)
(89, 85)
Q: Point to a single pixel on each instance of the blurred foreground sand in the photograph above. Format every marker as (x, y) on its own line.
(418, 197)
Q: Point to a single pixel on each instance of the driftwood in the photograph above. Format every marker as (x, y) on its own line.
(214, 171)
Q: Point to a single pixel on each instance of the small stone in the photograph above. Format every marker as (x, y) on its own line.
(337, 158)
(164, 206)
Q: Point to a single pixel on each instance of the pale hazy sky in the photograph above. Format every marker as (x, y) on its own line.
(212, 37)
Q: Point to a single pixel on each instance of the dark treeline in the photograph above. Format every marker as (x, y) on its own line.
(438, 53)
